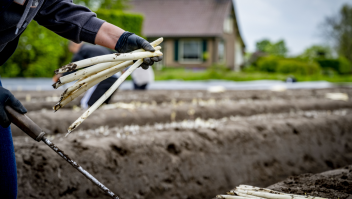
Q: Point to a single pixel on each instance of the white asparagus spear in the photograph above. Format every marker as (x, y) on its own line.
(270, 195)
(248, 186)
(96, 68)
(101, 75)
(247, 196)
(105, 74)
(75, 94)
(69, 96)
(76, 83)
(104, 58)
(233, 197)
(91, 70)
(83, 73)
(104, 97)
(252, 188)
(83, 85)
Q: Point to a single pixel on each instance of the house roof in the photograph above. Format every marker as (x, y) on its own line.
(182, 18)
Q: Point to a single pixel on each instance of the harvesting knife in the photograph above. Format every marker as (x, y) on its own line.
(34, 131)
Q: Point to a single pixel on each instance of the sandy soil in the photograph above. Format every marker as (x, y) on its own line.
(196, 147)
(331, 184)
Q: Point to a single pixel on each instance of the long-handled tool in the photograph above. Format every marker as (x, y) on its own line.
(34, 131)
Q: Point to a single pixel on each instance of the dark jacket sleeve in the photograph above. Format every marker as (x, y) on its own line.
(74, 22)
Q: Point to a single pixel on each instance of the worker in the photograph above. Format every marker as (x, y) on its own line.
(74, 22)
(291, 79)
(85, 51)
(142, 78)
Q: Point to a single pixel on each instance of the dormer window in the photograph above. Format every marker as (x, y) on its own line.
(228, 25)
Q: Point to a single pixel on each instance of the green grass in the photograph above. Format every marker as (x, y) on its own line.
(221, 74)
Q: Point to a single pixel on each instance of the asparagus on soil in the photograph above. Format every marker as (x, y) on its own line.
(269, 195)
(258, 189)
(246, 191)
(106, 95)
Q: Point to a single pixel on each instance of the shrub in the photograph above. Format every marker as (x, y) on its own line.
(329, 64)
(268, 64)
(345, 66)
(316, 52)
(273, 64)
(292, 66)
(128, 21)
(341, 65)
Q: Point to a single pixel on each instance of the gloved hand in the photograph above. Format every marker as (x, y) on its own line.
(6, 98)
(129, 42)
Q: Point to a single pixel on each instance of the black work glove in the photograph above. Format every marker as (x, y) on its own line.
(6, 98)
(129, 42)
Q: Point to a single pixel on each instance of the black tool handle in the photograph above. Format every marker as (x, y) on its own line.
(25, 124)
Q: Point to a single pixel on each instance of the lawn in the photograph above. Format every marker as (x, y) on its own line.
(189, 75)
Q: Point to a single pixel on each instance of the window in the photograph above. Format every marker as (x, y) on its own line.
(228, 25)
(221, 51)
(190, 51)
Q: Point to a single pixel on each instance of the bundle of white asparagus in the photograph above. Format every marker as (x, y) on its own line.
(101, 68)
(247, 192)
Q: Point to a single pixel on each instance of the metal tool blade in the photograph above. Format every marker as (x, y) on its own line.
(79, 168)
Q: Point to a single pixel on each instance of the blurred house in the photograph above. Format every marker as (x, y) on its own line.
(197, 33)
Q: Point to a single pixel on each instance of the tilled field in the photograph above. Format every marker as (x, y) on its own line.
(185, 144)
(141, 108)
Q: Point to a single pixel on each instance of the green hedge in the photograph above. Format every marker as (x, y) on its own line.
(41, 51)
(341, 65)
(297, 67)
(273, 64)
(128, 21)
(268, 64)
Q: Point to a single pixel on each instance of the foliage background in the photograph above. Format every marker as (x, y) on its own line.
(40, 51)
(338, 28)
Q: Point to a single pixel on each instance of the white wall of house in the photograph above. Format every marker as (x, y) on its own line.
(239, 56)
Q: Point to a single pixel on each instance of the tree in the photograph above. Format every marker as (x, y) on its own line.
(316, 51)
(38, 54)
(279, 48)
(339, 29)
